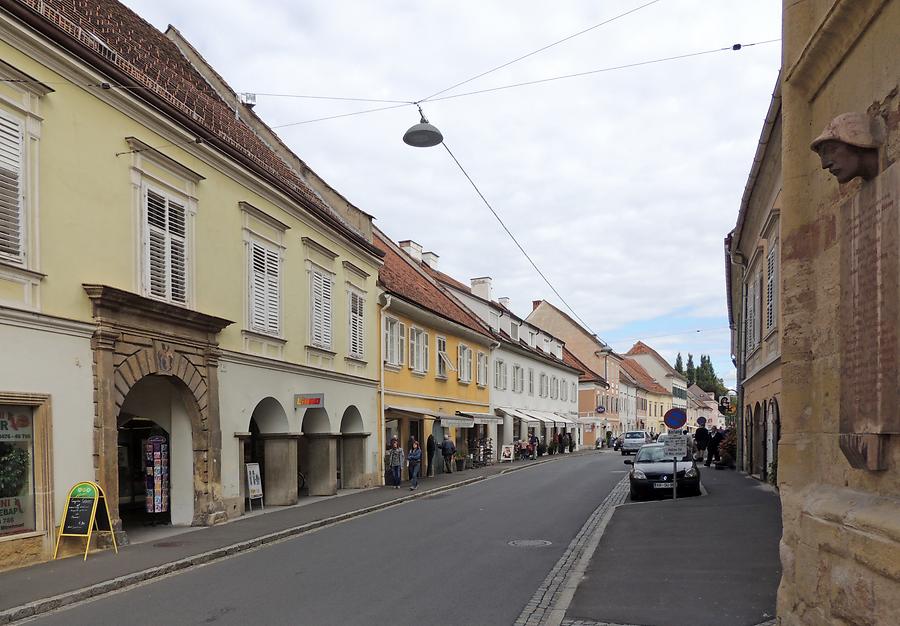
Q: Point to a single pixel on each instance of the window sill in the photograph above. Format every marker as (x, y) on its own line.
(419, 374)
(439, 377)
(393, 367)
(770, 332)
(263, 336)
(464, 382)
(20, 269)
(31, 534)
(321, 350)
(356, 360)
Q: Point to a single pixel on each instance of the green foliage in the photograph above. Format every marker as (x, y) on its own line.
(13, 470)
(679, 364)
(690, 371)
(705, 377)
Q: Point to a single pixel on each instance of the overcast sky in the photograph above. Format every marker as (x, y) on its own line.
(621, 184)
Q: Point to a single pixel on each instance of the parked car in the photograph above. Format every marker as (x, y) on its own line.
(651, 473)
(661, 438)
(633, 440)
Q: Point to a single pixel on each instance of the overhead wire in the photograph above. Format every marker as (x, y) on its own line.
(539, 50)
(513, 237)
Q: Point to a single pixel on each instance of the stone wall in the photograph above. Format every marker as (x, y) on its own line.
(841, 545)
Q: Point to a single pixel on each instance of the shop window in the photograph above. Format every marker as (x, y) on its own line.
(24, 454)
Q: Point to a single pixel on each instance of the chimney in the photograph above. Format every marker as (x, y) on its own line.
(431, 259)
(481, 287)
(504, 302)
(535, 304)
(411, 248)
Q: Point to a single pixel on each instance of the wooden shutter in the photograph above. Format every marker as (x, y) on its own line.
(257, 287)
(401, 342)
(273, 292)
(166, 248)
(413, 335)
(425, 353)
(11, 244)
(177, 228)
(356, 324)
(321, 309)
(460, 370)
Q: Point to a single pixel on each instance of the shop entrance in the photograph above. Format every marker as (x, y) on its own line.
(155, 456)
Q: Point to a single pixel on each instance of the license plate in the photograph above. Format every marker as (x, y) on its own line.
(662, 485)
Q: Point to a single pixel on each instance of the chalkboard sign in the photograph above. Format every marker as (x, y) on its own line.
(86, 511)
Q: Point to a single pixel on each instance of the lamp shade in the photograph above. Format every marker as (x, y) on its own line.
(422, 135)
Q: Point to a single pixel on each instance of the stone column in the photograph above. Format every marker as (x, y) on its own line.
(106, 427)
(321, 479)
(354, 460)
(281, 469)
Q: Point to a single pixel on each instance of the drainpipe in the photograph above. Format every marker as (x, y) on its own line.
(379, 455)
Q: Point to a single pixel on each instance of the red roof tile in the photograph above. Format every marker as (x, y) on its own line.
(112, 38)
(587, 374)
(641, 348)
(642, 377)
(399, 277)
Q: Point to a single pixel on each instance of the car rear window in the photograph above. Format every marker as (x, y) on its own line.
(637, 435)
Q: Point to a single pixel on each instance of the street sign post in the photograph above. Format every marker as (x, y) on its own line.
(675, 444)
(675, 418)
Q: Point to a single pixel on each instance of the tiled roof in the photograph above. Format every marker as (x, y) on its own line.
(642, 377)
(115, 40)
(398, 276)
(641, 348)
(587, 374)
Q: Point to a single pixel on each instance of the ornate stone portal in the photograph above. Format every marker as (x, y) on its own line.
(138, 337)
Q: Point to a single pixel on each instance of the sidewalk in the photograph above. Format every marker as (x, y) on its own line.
(46, 586)
(709, 560)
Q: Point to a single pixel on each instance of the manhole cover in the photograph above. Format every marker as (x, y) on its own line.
(529, 543)
(168, 544)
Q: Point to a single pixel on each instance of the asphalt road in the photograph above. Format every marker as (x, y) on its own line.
(439, 560)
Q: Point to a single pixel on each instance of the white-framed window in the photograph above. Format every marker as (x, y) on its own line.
(752, 311)
(442, 361)
(418, 350)
(514, 331)
(166, 239)
(574, 392)
(464, 363)
(494, 318)
(554, 387)
(771, 286)
(499, 374)
(530, 381)
(518, 378)
(321, 308)
(394, 341)
(265, 289)
(482, 369)
(564, 392)
(557, 351)
(531, 338)
(356, 325)
(12, 196)
(544, 386)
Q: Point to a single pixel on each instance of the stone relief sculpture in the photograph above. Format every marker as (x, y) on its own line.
(869, 307)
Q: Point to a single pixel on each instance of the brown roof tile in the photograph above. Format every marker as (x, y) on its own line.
(587, 374)
(641, 348)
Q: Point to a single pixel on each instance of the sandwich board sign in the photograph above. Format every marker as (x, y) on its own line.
(254, 484)
(506, 453)
(86, 511)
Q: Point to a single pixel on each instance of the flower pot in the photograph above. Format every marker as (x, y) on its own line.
(460, 465)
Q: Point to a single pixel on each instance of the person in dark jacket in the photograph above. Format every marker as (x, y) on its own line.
(394, 461)
(712, 449)
(447, 450)
(430, 449)
(701, 437)
(415, 462)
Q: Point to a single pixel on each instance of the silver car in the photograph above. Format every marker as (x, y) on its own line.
(633, 440)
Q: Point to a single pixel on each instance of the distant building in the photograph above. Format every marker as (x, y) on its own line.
(662, 372)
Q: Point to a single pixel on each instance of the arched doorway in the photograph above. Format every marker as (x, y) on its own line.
(351, 461)
(275, 450)
(773, 430)
(318, 453)
(155, 454)
(759, 441)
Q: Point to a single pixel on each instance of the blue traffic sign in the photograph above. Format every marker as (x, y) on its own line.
(675, 418)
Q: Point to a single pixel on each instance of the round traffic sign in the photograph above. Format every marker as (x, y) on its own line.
(675, 418)
(701, 421)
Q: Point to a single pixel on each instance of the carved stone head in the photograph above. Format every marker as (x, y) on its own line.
(848, 147)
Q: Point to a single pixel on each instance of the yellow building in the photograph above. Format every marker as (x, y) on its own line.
(174, 282)
(435, 359)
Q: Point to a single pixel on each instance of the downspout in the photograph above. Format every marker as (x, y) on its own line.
(380, 456)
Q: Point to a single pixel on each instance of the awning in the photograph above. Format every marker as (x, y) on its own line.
(482, 418)
(548, 418)
(526, 419)
(446, 420)
(569, 421)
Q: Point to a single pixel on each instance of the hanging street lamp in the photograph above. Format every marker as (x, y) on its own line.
(423, 134)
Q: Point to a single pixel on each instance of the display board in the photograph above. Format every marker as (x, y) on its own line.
(156, 480)
(506, 453)
(254, 483)
(80, 517)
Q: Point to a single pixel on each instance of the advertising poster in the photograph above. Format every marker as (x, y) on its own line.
(16, 471)
(156, 460)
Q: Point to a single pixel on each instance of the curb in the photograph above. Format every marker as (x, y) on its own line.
(59, 601)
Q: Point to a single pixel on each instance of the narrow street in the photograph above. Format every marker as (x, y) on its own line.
(444, 559)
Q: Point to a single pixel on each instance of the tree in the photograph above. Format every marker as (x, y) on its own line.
(705, 377)
(691, 372)
(679, 364)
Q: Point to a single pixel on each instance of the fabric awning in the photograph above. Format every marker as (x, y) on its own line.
(446, 420)
(527, 419)
(482, 418)
(548, 418)
(569, 421)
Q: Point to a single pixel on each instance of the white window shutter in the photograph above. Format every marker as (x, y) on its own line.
(273, 296)
(388, 353)
(316, 314)
(460, 371)
(156, 257)
(356, 324)
(177, 252)
(11, 205)
(427, 358)
(326, 310)
(412, 348)
(401, 343)
(258, 285)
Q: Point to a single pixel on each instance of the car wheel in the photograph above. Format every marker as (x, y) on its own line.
(624, 453)
(635, 496)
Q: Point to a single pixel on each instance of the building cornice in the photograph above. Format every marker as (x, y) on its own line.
(253, 360)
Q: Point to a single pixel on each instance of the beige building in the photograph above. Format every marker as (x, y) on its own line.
(839, 454)
(753, 255)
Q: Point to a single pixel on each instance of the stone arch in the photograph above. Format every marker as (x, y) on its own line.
(352, 421)
(270, 416)
(161, 361)
(315, 421)
(758, 465)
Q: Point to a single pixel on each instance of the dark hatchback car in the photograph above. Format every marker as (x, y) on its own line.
(651, 473)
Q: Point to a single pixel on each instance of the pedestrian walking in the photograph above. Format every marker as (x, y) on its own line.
(395, 462)
(712, 448)
(415, 462)
(701, 437)
(533, 442)
(447, 450)
(430, 448)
